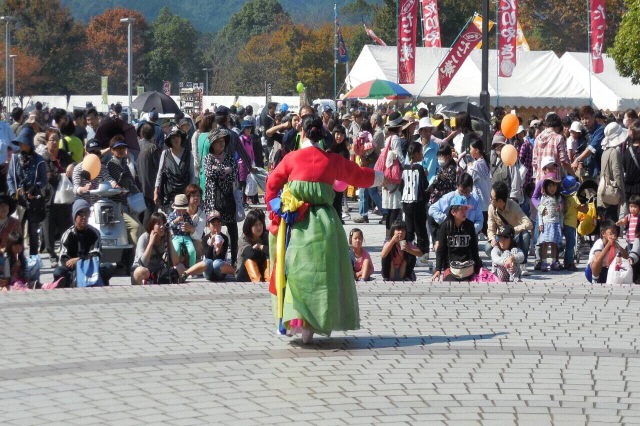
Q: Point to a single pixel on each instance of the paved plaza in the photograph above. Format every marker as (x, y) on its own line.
(551, 350)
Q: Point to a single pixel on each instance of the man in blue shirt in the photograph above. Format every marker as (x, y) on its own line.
(440, 209)
(594, 150)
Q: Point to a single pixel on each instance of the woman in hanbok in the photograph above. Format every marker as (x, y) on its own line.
(314, 288)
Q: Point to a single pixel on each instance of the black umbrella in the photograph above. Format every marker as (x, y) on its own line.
(162, 103)
(113, 127)
(473, 110)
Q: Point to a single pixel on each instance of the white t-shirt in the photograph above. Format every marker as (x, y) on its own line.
(597, 247)
(572, 144)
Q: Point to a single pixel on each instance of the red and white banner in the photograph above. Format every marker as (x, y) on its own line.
(508, 37)
(430, 24)
(457, 55)
(373, 35)
(407, 26)
(598, 27)
(166, 87)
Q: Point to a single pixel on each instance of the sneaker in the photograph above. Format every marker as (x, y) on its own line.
(362, 219)
(424, 261)
(571, 267)
(346, 216)
(538, 266)
(544, 266)
(376, 211)
(54, 263)
(555, 266)
(183, 278)
(481, 237)
(525, 273)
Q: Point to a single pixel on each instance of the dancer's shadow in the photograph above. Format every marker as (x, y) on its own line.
(350, 343)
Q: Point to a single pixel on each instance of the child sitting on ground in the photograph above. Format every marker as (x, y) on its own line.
(399, 255)
(506, 257)
(362, 265)
(603, 253)
(176, 221)
(631, 220)
(15, 264)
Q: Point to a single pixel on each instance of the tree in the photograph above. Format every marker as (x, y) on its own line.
(28, 82)
(174, 56)
(359, 12)
(45, 30)
(385, 22)
(626, 48)
(255, 18)
(107, 48)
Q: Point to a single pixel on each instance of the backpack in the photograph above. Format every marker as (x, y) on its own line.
(393, 174)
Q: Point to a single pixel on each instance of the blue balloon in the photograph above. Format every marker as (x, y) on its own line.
(284, 107)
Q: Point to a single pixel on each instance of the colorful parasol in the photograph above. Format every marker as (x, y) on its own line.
(378, 89)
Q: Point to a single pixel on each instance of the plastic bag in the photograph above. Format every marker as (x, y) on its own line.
(252, 187)
(136, 202)
(34, 265)
(261, 179)
(620, 273)
(64, 191)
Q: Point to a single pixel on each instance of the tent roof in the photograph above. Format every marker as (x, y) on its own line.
(609, 89)
(539, 80)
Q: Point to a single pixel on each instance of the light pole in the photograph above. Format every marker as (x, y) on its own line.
(7, 20)
(129, 21)
(206, 80)
(13, 76)
(485, 98)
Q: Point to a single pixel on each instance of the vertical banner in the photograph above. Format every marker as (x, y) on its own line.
(166, 87)
(267, 93)
(407, 25)
(104, 90)
(430, 24)
(477, 20)
(373, 36)
(140, 90)
(508, 37)
(457, 55)
(521, 42)
(598, 26)
(343, 55)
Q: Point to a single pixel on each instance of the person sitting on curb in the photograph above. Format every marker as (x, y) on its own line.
(505, 211)
(81, 241)
(216, 246)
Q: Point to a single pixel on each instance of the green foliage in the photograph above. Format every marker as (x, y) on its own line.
(626, 48)
(358, 12)
(385, 22)
(174, 39)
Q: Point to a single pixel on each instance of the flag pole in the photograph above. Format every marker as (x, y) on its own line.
(497, 52)
(589, 49)
(397, 34)
(335, 52)
(424, 41)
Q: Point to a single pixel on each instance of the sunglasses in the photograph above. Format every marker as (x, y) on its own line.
(83, 213)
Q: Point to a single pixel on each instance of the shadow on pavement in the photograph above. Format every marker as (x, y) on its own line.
(379, 342)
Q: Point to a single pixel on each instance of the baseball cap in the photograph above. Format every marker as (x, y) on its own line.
(425, 122)
(222, 110)
(548, 161)
(327, 108)
(506, 231)
(498, 140)
(460, 201)
(93, 145)
(118, 144)
(213, 215)
(576, 127)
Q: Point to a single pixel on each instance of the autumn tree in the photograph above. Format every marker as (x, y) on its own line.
(46, 34)
(174, 55)
(626, 48)
(28, 81)
(107, 49)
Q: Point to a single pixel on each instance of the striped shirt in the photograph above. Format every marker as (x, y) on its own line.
(632, 226)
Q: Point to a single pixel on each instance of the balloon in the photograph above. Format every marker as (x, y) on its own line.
(284, 107)
(300, 87)
(510, 125)
(509, 155)
(340, 104)
(342, 95)
(91, 164)
(339, 186)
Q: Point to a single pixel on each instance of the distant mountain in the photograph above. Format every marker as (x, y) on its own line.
(206, 15)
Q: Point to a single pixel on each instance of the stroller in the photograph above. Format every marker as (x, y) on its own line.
(588, 223)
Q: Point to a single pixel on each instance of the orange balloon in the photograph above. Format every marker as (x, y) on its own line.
(509, 155)
(91, 164)
(510, 125)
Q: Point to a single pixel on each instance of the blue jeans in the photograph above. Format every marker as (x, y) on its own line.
(523, 240)
(363, 206)
(214, 270)
(569, 233)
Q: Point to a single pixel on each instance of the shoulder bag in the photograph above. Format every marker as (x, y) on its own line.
(610, 192)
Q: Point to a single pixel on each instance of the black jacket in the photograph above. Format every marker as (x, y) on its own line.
(83, 244)
(457, 244)
(53, 176)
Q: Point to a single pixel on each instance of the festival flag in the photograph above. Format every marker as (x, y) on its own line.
(507, 38)
(407, 23)
(104, 90)
(521, 41)
(343, 55)
(477, 20)
(457, 55)
(166, 87)
(431, 23)
(373, 35)
(598, 27)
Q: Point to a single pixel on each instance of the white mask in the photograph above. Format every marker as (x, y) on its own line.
(625, 123)
(441, 162)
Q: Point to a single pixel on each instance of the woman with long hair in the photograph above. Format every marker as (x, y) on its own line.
(481, 174)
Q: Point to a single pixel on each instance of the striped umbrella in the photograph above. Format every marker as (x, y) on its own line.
(378, 89)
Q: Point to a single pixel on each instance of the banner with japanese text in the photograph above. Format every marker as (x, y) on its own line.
(430, 24)
(407, 26)
(598, 27)
(373, 36)
(104, 90)
(521, 41)
(343, 55)
(508, 14)
(457, 55)
(477, 20)
(166, 87)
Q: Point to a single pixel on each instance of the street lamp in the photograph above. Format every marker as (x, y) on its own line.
(129, 21)
(485, 98)
(13, 76)
(7, 20)
(206, 80)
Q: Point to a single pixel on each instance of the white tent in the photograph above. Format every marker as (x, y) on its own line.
(539, 80)
(209, 101)
(48, 101)
(610, 91)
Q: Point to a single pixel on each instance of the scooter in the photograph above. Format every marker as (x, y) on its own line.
(106, 217)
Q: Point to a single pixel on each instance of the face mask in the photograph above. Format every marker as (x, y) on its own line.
(625, 123)
(441, 162)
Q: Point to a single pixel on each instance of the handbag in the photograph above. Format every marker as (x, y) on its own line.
(252, 187)
(393, 173)
(88, 272)
(36, 209)
(461, 270)
(166, 275)
(64, 191)
(136, 202)
(610, 193)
